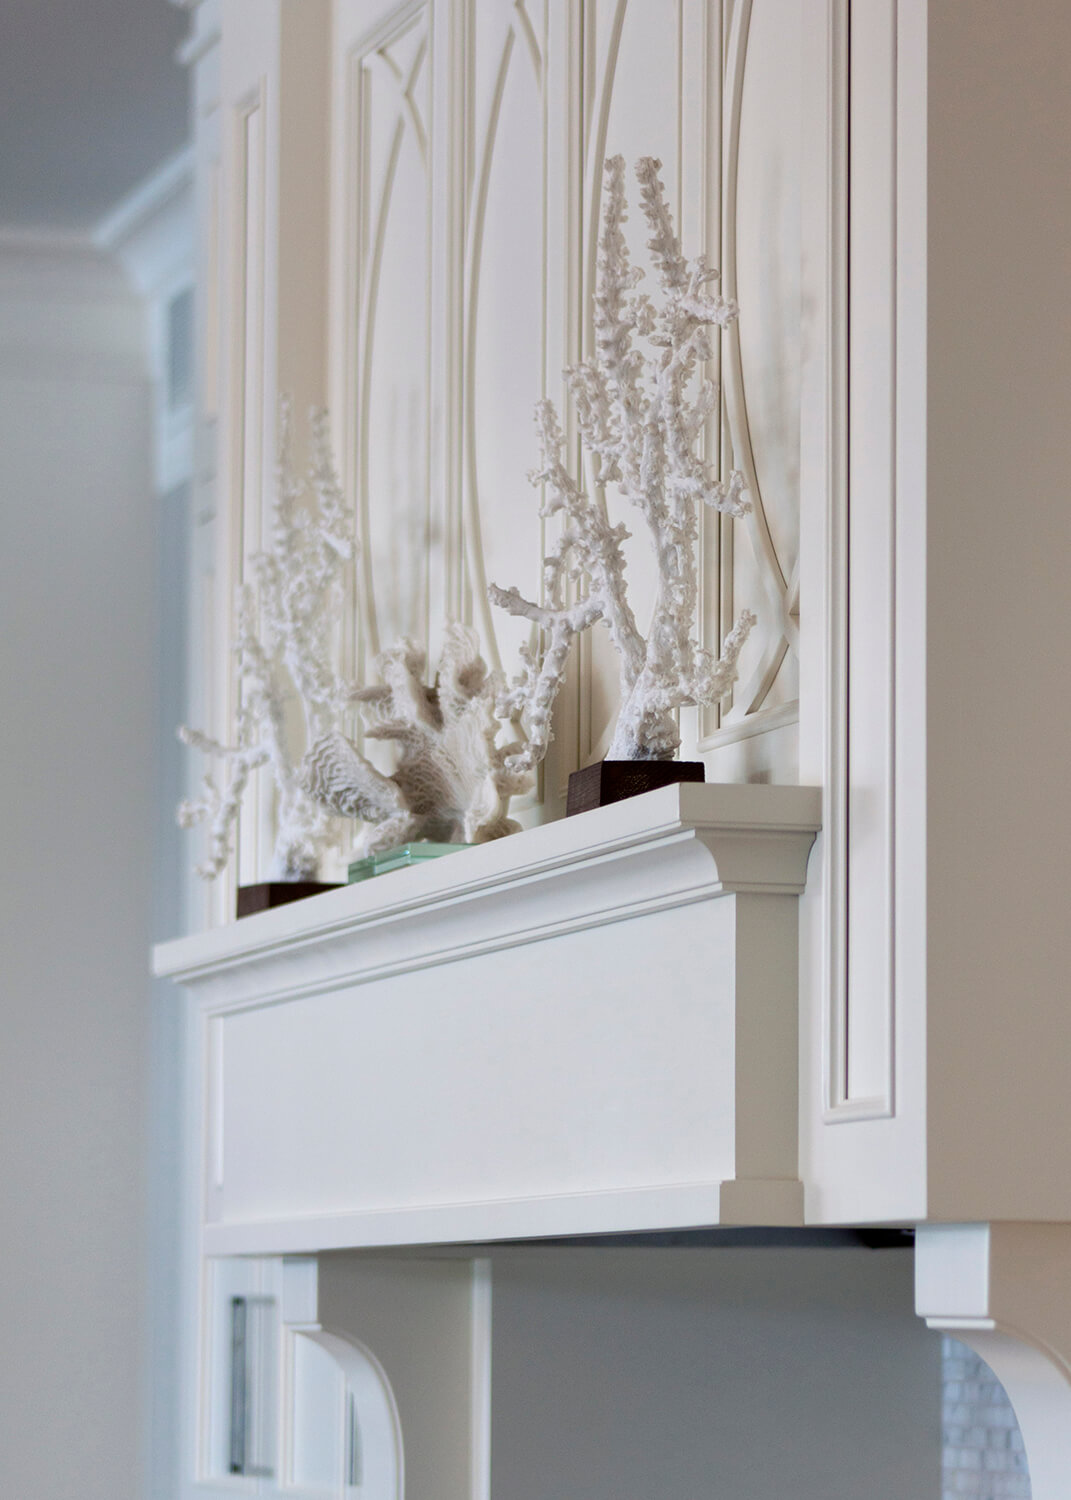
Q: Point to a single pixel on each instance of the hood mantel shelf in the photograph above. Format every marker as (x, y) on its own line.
(589, 1027)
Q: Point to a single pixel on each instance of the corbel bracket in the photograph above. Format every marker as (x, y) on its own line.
(1005, 1290)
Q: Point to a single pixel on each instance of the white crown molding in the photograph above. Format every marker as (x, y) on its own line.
(743, 838)
(67, 311)
(148, 237)
(61, 264)
(205, 30)
(20, 239)
(151, 232)
(169, 185)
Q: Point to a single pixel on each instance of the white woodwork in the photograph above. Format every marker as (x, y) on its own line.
(863, 1131)
(339, 1420)
(759, 565)
(441, 283)
(411, 1340)
(923, 997)
(207, 667)
(439, 349)
(151, 233)
(253, 1281)
(386, 138)
(428, 1006)
(533, 1370)
(273, 130)
(365, 1377)
(507, 293)
(1002, 1289)
(874, 179)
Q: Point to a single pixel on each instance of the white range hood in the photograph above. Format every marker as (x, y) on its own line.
(588, 1027)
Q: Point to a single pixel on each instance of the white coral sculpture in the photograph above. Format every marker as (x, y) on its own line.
(453, 782)
(642, 428)
(286, 615)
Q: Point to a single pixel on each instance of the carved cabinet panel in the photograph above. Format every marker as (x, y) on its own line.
(468, 146)
(409, 206)
(409, 200)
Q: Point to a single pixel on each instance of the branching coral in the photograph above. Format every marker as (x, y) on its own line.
(283, 650)
(642, 427)
(453, 782)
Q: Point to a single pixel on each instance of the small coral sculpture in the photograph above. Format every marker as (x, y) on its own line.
(453, 782)
(641, 429)
(285, 619)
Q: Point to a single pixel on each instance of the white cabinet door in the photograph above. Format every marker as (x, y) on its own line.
(468, 150)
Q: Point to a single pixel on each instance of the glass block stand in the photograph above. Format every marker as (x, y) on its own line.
(398, 859)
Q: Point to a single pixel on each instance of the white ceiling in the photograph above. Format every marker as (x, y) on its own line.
(91, 101)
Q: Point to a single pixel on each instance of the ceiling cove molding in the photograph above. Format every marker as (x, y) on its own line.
(151, 230)
(205, 30)
(50, 263)
(67, 311)
(74, 303)
(151, 224)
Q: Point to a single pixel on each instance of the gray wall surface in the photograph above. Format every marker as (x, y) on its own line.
(734, 1374)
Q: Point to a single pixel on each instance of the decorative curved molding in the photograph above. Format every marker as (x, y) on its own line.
(477, 221)
(782, 593)
(779, 588)
(739, 424)
(367, 1384)
(1038, 1383)
(370, 1398)
(520, 28)
(790, 618)
(367, 341)
(756, 691)
(504, 36)
(405, 83)
(1002, 1289)
(408, 121)
(524, 21)
(428, 1324)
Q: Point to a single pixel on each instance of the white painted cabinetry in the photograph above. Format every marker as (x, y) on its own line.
(588, 1027)
(408, 202)
(400, 212)
(404, 204)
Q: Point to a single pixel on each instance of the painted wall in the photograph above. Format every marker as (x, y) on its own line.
(736, 1373)
(76, 750)
(150, 234)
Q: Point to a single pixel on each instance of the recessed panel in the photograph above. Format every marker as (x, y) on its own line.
(764, 224)
(505, 313)
(488, 1079)
(391, 93)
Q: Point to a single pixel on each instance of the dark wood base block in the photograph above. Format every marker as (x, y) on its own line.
(612, 780)
(269, 893)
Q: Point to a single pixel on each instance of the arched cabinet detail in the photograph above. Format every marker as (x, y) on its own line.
(1002, 1289)
(342, 1430)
